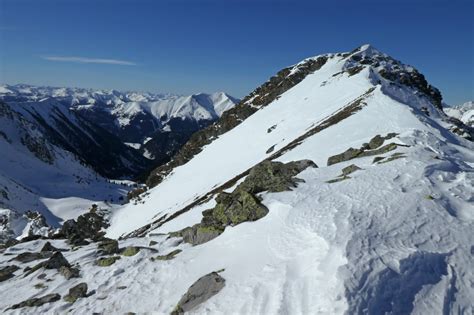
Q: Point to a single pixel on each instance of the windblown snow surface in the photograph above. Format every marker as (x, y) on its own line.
(395, 238)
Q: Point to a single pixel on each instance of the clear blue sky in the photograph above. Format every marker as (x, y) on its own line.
(187, 46)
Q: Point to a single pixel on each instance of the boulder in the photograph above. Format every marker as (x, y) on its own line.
(76, 292)
(130, 251)
(168, 256)
(201, 290)
(108, 247)
(107, 261)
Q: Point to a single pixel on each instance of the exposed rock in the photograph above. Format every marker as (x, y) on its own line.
(108, 247)
(372, 148)
(378, 159)
(53, 297)
(168, 256)
(274, 176)
(76, 292)
(337, 179)
(69, 272)
(152, 243)
(107, 261)
(49, 248)
(350, 169)
(86, 226)
(201, 291)
(7, 272)
(56, 261)
(130, 251)
(242, 205)
(27, 257)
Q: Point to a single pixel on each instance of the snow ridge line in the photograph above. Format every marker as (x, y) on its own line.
(332, 119)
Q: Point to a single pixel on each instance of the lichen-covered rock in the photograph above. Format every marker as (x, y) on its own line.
(69, 272)
(130, 251)
(168, 256)
(7, 272)
(107, 261)
(372, 148)
(76, 292)
(274, 176)
(201, 291)
(350, 169)
(108, 247)
(242, 205)
(49, 298)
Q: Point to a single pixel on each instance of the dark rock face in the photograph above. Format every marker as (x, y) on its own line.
(7, 272)
(260, 97)
(56, 261)
(27, 257)
(76, 292)
(53, 297)
(242, 205)
(201, 291)
(350, 169)
(87, 226)
(47, 247)
(96, 146)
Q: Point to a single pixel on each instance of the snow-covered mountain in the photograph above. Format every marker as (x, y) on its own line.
(136, 118)
(463, 112)
(339, 186)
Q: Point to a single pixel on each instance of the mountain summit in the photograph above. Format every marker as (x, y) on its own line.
(339, 186)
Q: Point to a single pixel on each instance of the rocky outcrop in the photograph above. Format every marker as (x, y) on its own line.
(107, 261)
(201, 291)
(168, 256)
(367, 149)
(33, 302)
(243, 205)
(86, 226)
(69, 272)
(108, 247)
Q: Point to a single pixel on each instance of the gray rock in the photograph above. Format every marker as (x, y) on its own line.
(76, 292)
(69, 272)
(27, 257)
(53, 297)
(108, 247)
(201, 291)
(56, 261)
(47, 247)
(7, 272)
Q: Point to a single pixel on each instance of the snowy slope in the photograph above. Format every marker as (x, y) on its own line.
(36, 175)
(463, 112)
(394, 237)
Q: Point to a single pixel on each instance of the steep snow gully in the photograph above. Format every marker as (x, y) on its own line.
(386, 229)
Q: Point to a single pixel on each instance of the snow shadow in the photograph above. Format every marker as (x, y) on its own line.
(393, 292)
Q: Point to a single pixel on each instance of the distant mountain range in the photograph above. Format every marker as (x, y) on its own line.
(96, 124)
(463, 112)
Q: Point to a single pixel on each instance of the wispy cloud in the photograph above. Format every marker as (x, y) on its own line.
(89, 60)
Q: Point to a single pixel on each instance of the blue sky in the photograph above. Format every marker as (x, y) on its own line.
(188, 46)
